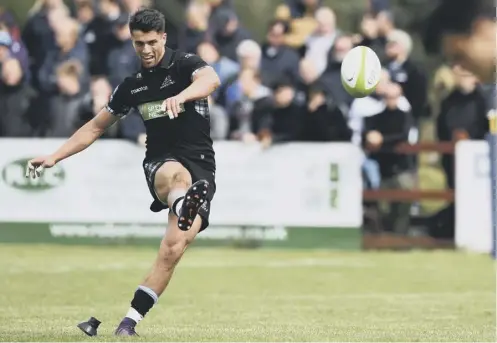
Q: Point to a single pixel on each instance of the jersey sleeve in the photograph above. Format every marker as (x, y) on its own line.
(118, 103)
(190, 64)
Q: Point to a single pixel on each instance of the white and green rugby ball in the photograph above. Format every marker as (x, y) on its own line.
(360, 72)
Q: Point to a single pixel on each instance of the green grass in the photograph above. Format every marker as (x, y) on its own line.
(229, 295)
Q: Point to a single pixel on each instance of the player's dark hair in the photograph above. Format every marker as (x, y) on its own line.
(147, 20)
(456, 17)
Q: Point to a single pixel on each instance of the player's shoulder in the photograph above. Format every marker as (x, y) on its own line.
(130, 82)
(133, 79)
(182, 56)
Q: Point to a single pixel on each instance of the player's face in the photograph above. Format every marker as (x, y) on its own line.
(149, 46)
(474, 52)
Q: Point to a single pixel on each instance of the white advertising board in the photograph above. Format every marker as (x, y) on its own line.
(473, 197)
(310, 185)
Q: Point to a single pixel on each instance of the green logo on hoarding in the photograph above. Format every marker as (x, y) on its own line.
(13, 174)
(335, 180)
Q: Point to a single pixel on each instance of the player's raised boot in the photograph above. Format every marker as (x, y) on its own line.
(126, 328)
(194, 198)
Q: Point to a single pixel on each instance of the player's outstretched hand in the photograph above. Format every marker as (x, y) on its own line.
(173, 106)
(36, 166)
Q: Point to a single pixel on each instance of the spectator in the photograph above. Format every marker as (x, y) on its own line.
(278, 60)
(297, 9)
(100, 92)
(14, 98)
(406, 73)
(324, 120)
(38, 36)
(385, 22)
(376, 6)
(18, 51)
(249, 54)
(224, 67)
(249, 57)
(133, 129)
(197, 21)
(122, 60)
(382, 132)
(131, 6)
(300, 14)
(99, 35)
(217, 13)
(251, 114)
(85, 12)
(320, 42)
(67, 106)
(462, 116)
(229, 34)
(69, 47)
(331, 78)
(10, 21)
(219, 121)
(308, 75)
(287, 117)
(370, 36)
(361, 109)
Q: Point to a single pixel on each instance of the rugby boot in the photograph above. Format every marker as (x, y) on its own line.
(194, 198)
(126, 328)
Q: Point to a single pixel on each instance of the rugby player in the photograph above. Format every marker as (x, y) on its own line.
(170, 92)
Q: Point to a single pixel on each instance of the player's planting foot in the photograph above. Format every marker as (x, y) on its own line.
(194, 198)
(126, 328)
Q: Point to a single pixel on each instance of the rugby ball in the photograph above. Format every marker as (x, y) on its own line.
(360, 71)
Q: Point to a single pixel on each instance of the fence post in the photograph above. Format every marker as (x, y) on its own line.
(492, 140)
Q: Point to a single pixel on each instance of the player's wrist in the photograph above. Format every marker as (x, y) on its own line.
(55, 158)
(182, 97)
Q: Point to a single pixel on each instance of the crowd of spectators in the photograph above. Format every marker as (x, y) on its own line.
(60, 68)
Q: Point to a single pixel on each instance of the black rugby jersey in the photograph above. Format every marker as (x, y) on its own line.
(186, 136)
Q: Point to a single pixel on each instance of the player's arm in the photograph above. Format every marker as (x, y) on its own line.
(116, 108)
(79, 141)
(86, 135)
(204, 81)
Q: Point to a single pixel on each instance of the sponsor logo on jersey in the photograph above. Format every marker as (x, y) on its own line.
(138, 90)
(167, 82)
(153, 110)
(13, 175)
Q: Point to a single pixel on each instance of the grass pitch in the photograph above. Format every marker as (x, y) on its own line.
(260, 295)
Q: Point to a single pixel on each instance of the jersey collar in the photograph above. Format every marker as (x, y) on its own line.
(165, 63)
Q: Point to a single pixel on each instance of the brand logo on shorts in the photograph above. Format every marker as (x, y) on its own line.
(13, 174)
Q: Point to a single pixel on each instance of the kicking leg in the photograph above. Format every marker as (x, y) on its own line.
(172, 184)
